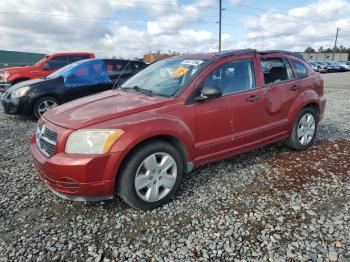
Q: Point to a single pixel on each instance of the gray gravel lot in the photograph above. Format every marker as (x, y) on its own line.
(267, 205)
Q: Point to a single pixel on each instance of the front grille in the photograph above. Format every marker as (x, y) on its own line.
(46, 139)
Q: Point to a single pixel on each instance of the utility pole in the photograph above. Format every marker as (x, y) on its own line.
(220, 11)
(335, 43)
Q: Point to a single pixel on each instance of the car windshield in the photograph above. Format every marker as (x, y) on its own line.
(165, 77)
(41, 60)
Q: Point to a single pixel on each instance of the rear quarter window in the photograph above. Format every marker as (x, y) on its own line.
(76, 58)
(301, 69)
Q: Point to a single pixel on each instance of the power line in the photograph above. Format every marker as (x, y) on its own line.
(102, 18)
(150, 2)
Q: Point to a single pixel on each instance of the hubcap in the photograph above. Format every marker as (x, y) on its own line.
(46, 105)
(155, 177)
(306, 129)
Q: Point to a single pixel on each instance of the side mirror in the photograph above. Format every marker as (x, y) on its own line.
(46, 66)
(208, 93)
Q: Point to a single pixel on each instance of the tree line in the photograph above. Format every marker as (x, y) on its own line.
(338, 49)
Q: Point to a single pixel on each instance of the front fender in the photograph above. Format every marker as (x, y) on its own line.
(137, 131)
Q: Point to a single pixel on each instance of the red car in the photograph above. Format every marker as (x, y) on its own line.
(177, 114)
(50, 63)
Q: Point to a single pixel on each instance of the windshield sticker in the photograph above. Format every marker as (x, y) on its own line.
(192, 62)
(179, 72)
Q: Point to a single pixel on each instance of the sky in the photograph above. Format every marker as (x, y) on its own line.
(131, 28)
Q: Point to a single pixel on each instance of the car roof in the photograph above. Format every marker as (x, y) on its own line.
(70, 53)
(124, 60)
(221, 54)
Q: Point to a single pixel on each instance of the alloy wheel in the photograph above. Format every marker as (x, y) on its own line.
(46, 105)
(155, 177)
(306, 129)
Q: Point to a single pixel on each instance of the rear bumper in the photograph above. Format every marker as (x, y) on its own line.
(79, 178)
(322, 108)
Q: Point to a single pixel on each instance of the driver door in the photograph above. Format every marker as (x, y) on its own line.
(214, 125)
(53, 64)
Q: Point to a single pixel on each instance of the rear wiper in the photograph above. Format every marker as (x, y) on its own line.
(139, 90)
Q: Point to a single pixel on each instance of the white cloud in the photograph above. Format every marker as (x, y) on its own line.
(162, 25)
(312, 25)
(171, 28)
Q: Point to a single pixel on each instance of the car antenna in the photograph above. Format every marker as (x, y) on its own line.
(116, 81)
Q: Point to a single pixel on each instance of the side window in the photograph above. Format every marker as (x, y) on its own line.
(76, 58)
(232, 77)
(87, 74)
(136, 66)
(57, 62)
(116, 68)
(301, 68)
(276, 70)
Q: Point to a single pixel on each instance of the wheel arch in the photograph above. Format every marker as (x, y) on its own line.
(306, 99)
(168, 138)
(36, 99)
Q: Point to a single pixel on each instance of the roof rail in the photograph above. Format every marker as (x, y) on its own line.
(235, 52)
(296, 54)
(254, 51)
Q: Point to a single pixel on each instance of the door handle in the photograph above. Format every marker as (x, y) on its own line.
(254, 98)
(295, 88)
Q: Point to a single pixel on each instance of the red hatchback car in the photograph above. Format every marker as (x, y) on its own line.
(178, 113)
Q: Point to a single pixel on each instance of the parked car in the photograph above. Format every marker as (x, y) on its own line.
(344, 66)
(333, 67)
(328, 67)
(324, 66)
(345, 62)
(50, 63)
(177, 114)
(318, 67)
(83, 78)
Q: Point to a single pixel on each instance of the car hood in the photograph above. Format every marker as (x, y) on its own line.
(104, 106)
(30, 83)
(16, 69)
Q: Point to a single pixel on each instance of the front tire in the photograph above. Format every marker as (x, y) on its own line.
(304, 130)
(43, 104)
(151, 175)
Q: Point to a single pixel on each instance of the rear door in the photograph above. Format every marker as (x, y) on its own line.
(246, 99)
(76, 58)
(119, 71)
(282, 89)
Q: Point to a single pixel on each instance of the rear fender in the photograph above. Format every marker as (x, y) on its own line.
(305, 98)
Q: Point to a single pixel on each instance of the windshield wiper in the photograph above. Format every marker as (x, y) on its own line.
(139, 90)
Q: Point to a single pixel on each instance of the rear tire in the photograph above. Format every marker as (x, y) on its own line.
(43, 104)
(151, 175)
(304, 130)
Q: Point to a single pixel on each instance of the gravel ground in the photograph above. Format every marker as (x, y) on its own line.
(270, 204)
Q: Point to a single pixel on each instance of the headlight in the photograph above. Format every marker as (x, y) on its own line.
(20, 92)
(4, 75)
(92, 141)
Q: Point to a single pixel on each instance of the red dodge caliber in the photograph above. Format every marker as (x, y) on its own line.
(179, 113)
